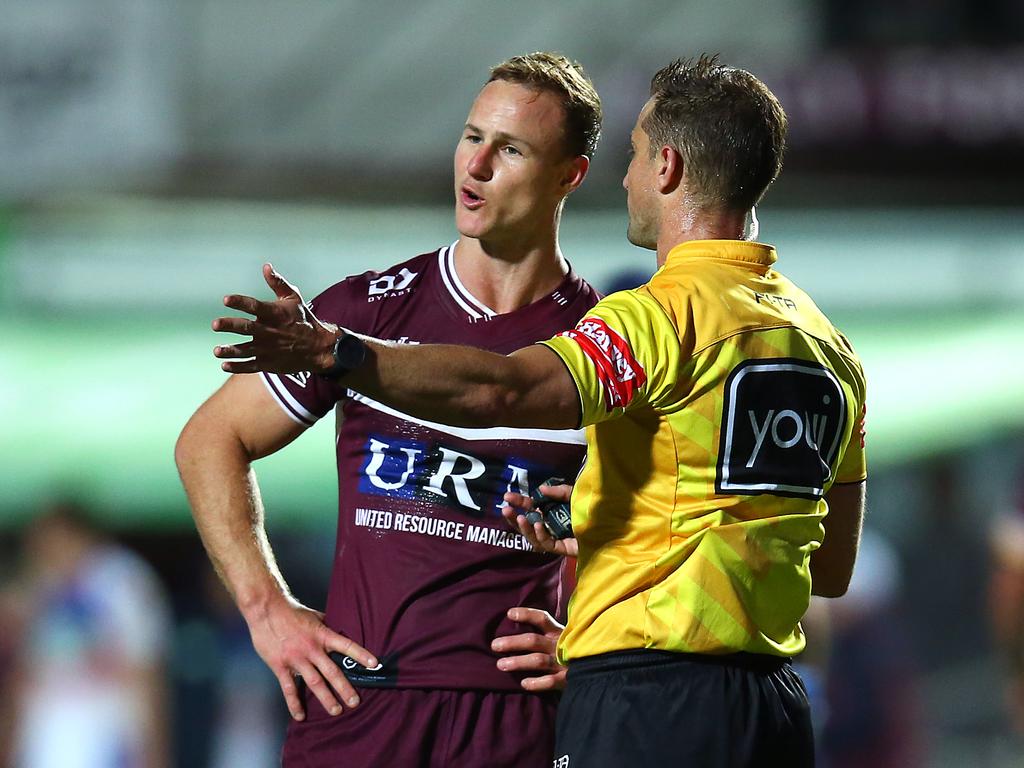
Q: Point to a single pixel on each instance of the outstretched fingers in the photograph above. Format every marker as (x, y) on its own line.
(240, 366)
(245, 304)
(246, 349)
(281, 287)
(243, 326)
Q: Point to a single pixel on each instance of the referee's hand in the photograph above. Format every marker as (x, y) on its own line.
(515, 509)
(532, 653)
(294, 642)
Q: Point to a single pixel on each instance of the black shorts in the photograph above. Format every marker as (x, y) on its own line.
(656, 708)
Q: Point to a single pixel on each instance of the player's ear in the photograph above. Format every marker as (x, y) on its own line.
(575, 171)
(670, 170)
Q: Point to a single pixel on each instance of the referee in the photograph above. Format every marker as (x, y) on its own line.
(725, 478)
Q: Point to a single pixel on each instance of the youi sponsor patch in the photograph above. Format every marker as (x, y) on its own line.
(782, 423)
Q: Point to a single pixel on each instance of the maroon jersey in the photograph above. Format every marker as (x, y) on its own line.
(425, 566)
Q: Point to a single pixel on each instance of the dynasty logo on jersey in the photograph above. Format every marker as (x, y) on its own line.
(394, 285)
(620, 374)
(782, 426)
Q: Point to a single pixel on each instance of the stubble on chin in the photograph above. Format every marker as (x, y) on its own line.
(638, 233)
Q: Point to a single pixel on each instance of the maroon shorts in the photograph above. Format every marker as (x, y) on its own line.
(412, 728)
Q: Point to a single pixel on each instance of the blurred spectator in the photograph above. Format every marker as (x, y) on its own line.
(945, 566)
(89, 685)
(873, 716)
(1006, 602)
(249, 720)
(230, 713)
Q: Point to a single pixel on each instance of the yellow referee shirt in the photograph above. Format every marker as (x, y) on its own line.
(720, 406)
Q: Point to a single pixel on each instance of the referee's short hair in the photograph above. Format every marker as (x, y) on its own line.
(728, 127)
(567, 80)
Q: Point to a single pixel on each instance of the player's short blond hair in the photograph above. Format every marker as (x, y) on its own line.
(567, 80)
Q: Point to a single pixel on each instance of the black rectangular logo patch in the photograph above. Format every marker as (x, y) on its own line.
(782, 422)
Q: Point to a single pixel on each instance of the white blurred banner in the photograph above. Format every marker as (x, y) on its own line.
(87, 93)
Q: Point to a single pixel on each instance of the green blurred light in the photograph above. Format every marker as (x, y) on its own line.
(94, 408)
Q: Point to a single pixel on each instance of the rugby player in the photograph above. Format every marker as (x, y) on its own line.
(425, 570)
(725, 475)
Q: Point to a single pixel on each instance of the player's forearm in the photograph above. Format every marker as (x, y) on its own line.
(456, 385)
(226, 506)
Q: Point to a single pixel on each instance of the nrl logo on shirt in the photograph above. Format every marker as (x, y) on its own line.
(620, 374)
(387, 286)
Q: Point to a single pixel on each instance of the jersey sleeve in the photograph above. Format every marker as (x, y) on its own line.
(853, 468)
(623, 354)
(305, 397)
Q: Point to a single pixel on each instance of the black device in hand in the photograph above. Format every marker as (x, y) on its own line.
(554, 514)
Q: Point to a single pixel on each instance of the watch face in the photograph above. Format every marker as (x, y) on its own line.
(349, 353)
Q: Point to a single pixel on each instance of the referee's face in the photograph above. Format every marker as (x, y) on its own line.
(511, 167)
(639, 185)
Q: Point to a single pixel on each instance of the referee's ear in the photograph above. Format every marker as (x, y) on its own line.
(576, 172)
(670, 170)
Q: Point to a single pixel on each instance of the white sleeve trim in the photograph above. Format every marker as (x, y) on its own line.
(295, 410)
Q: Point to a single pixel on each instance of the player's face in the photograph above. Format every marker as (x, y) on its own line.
(641, 199)
(511, 167)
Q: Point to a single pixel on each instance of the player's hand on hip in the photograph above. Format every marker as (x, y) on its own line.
(515, 509)
(286, 337)
(294, 642)
(532, 653)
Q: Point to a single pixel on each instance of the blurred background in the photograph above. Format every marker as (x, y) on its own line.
(155, 153)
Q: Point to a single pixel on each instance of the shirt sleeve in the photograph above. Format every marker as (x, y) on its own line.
(624, 354)
(853, 468)
(853, 461)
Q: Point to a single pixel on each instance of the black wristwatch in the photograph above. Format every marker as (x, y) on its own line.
(349, 354)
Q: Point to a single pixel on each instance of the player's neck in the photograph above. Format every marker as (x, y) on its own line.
(507, 276)
(684, 225)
